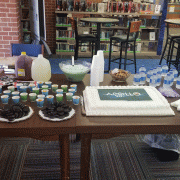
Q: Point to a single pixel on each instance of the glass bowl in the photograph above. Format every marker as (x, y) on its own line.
(119, 75)
(77, 72)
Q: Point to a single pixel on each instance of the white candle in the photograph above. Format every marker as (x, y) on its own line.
(73, 60)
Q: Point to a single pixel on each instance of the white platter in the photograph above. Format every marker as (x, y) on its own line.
(71, 114)
(19, 119)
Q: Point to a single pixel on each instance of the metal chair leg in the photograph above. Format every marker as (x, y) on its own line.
(125, 59)
(162, 56)
(110, 54)
(171, 54)
(135, 57)
(76, 50)
(120, 59)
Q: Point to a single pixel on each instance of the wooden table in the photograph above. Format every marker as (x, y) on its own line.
(99, 21)
(36, 127)
(114, 126)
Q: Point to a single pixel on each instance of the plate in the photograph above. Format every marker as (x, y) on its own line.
(71, 114)
(19, 119)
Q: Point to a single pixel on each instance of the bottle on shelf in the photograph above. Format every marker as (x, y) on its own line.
(153, 80)
(167, 80)
(178, 82)
(164, 70)
(137, 78)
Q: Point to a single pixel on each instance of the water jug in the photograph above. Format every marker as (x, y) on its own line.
(23, 67)
(41, 69)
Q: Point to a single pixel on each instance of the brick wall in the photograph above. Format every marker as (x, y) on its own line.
(10, 30)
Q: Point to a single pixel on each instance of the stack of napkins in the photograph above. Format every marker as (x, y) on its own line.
(176, 104)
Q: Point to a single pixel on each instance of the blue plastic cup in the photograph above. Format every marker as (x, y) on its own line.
(40, 84)
(7, 92)
(73, 86)
(49, 84)
(76, 100)
(15, 93)
(40, 103)
(45, 92)
(23, 89)
(18, 85)
(50, 99)
(15, 99)
(5, 99)
(31, 86)
(59, 91)
(71, 91)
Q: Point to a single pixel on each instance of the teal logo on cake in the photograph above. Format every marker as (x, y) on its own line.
(124, 94)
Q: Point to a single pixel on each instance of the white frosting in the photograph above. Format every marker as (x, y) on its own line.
(158, 106)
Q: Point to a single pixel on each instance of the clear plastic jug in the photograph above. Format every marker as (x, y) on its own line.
(23, 67)
(41, 69)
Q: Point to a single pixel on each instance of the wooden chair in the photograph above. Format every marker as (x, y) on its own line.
(81, 38)
(131, 37)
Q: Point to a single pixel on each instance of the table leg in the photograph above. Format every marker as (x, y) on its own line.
(64, 143)
(98, 37)
(85, 155)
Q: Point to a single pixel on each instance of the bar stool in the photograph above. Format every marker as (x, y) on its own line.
(124, 40)
(82, 38)
(169, 40)
(176, 61)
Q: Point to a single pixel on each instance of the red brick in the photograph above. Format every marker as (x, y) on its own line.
(14, 20)
(7, 29)
(3, 24)
(3, 14)
(7, 46)
(4, 33)
(15, 29)
(7, 55)
(5, 1)
(14, 41)
(4, 42)
(7, 37)
(1, 46)
(4, 10)
(2, 55)
(13, 33)
(12, 14)
(4, 50)
(15, 24)
(15, 38)
(5, 19)
(13, 1)
(14, 5)
(2, 5)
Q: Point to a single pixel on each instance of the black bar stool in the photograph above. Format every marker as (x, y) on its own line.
(124, 40)
(82, 38)
(176, 61)
(169, 40)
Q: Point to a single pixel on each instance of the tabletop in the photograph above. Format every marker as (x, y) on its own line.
(126, 125)
(99, 20)
(173, 21)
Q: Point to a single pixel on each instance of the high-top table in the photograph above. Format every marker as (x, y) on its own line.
(108, 126)
(99, 21)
